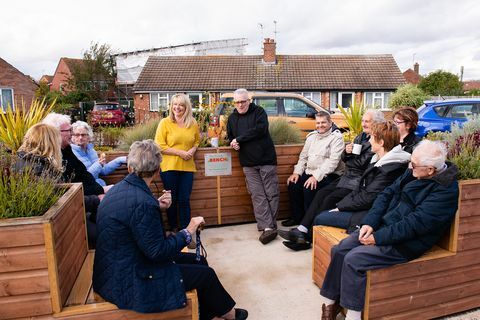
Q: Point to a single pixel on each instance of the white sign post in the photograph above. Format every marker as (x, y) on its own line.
(218, 164)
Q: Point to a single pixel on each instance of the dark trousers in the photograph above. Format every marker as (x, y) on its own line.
(346, 277)
(326, 198)
(213, 299)
(339, 219)
(301, 197)
(180, 183)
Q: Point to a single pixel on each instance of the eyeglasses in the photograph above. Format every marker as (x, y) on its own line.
(80, 135)
(67, 130)
(398, 122)
(240, 102)
(412, 165)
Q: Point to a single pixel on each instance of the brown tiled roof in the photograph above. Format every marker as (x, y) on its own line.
(72, 63)
(411, 76)
(471, 85)
(291, 72)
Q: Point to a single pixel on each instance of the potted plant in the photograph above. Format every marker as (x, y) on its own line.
(353, 117)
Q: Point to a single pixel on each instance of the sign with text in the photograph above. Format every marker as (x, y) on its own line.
(218, 164)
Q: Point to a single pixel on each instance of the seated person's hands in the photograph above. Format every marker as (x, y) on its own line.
(194, 224)
(365, 236)
(293, 178)
(102, 160)
(165, 199)
(311, 183)
(349, 148)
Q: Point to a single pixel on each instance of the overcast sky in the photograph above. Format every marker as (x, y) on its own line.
(438, 34)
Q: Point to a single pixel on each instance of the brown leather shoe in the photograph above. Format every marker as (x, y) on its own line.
(331, 311)
(267, 236)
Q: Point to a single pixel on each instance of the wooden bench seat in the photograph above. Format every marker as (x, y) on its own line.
(83, 303)
(390, 291)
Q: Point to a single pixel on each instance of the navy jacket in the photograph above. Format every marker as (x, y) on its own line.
(413, 214)
(134, 266)
(355, 165)
(251, 131)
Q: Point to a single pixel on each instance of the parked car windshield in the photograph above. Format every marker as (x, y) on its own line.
(104, 107)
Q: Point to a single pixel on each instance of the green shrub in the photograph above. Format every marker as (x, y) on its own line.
(22, 194)
(407, 95)
(138, 133)
(108, 136)
(284, 133)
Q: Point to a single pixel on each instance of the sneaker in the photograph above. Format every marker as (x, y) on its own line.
(295, 246)
(289, 223)
(241, 314)
(293, 235)
(267, 236)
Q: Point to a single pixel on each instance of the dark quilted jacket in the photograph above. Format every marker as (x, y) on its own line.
(134, 266)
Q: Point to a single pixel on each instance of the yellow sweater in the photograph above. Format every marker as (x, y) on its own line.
(170, 135)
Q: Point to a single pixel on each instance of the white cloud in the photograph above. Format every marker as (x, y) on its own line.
(441, 33)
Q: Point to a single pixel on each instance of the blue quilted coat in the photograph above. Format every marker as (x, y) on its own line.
(134, 266)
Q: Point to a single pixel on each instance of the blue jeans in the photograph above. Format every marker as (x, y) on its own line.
(339, 219)
(180, 184)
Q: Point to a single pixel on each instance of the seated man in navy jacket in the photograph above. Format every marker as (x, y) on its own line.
(405, 221)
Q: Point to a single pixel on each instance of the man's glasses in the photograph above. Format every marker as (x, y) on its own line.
(80, 135)
(67, 130)
(240, 102)
(412, 165)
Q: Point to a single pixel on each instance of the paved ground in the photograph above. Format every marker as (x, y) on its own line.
(271, 281)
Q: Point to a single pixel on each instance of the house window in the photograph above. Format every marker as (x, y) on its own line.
(198, 98)
(313, 96)
(159, 101)
(341, 98)
(6, 98)
(377, 100)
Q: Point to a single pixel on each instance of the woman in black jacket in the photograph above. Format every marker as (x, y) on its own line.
(388, 163)
(406, 119)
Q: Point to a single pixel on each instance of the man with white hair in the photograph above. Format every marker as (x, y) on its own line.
(247, 130)
(406, 220)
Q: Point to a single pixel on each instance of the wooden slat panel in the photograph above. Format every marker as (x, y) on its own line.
(19, 235)
(24, 282)
(469, 225)
(83, 283)
(25, 305)
(470, 189)
(469, 241)
(22, 258)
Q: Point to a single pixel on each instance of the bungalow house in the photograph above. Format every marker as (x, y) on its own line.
(413, 76)
(63, 73)
(15, 87)
(326, 79)
(46, 79)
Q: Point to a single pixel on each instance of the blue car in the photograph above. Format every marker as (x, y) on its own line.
(439, 115)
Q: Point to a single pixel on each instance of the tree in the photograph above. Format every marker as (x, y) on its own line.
(95, 76)
(441, 83)
(407, 95)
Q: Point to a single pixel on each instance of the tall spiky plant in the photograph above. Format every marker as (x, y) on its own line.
(14, 124)
(353, 117)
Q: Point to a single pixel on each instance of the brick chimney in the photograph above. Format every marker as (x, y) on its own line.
(269, 47)
(416, 68)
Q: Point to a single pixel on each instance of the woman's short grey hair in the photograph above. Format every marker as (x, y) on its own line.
(56, 119)
(431, 153)
(84, 125)
(377, 115)
(144, 158)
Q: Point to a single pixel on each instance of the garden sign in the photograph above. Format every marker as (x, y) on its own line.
(218, 164)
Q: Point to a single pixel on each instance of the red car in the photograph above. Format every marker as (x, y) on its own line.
(108, 113)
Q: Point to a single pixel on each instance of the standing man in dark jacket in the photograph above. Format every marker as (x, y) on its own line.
(405, 221)
(247, 130)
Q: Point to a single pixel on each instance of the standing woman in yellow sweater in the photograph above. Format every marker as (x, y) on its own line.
(178, 137)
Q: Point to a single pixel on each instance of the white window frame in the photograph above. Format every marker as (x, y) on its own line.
(310, 96)
(2, 107)
(340, 96)
(377, 95)
(159, 96)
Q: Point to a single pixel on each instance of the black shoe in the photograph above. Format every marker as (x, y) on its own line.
(267, 236)
(241, 314)
(297, 246)
(293, 235)
(289, 223)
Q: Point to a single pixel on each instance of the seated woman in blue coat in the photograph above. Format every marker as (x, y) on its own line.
(83, 150)
(407, 219)
(136, 265)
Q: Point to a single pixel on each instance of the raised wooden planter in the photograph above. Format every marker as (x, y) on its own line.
(444, 281)
(225, 199)
(33, 250)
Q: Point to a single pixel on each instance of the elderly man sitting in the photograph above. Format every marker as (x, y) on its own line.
(405, 221)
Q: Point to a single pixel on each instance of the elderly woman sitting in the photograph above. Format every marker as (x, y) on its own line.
(136, 265)
(83, 149)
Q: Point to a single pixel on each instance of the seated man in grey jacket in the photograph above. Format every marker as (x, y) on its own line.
(405, 221)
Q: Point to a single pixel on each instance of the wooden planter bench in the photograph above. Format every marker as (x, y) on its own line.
(445, 280)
